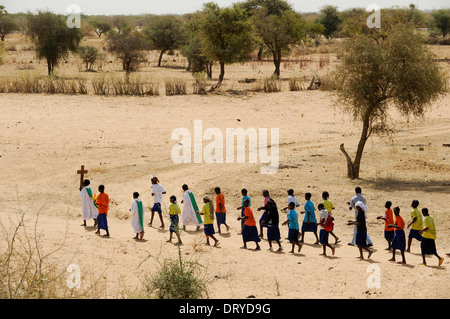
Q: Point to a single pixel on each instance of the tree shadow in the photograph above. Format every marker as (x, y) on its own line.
(392, 184)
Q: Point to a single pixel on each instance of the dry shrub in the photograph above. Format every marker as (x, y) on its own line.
(177, 279)
(296, 84)
(101, 85)
(133, 85)
(272, 85)
(175, 86)
(201, 80)
(327, 82)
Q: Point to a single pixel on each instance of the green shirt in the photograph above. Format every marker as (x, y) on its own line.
(428, 222)
(418, 224)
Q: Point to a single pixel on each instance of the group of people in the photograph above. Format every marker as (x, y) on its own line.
(422, 224)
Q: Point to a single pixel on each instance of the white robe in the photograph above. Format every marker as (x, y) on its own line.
(87, 205)
(135, 223)
(189, 216)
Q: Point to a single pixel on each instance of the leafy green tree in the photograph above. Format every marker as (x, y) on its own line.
(330, 20)
(376, 73)
(7, 25)
(441, 20)
(52, 38)
(90, 55)
(226, 35)
(192, 47)
(165, 33)
(279, 29)
(101, 27)
(129, 47)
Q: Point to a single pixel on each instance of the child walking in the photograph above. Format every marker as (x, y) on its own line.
(309, 222)
(174, 212)
(292, 222)
(399, 240)
(208, 212)
(428, 244)
(220, 210)
(272, 221)
(327, 225)
(388, 218)
(328, 205)
(249, 231)
(103, 206)
(361, 229)
(416, 224)
(157, 192)
(242, 208)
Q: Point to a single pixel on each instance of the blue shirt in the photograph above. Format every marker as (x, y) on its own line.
(293, 219)
(309, 211)
(246, 197)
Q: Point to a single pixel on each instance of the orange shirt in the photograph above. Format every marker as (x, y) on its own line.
(399, 222)
(388, 219)
(220, 199)
(250, 220)
(103, 203)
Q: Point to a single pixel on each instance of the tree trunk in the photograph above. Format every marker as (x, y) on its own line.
(354, 166)
(209, 70)
(160, 57)
(277, 62)
(260, 52)
(221, 75)
(49, 66)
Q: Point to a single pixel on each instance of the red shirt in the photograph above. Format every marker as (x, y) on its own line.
(103, 203)
(250, 220)
(220, 199)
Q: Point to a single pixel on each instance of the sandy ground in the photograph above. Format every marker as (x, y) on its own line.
(122, 141)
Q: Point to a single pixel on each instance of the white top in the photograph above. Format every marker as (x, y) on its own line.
(157, 192)
(292, 198)
(87, 205)
(323, 214)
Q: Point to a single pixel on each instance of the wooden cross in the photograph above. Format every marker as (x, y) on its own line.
(82, 171)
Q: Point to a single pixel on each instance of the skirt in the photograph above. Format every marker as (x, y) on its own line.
(428, 246)
(273, 233)
(414, 233)
(102, 222)
(208, 229)
(389, 234)
(174, 222)
(399, 240)
(309, 227)
(250, 233)
(221, 218)
(263, 217)
(323, 237)
(361, 239)
(293, 235)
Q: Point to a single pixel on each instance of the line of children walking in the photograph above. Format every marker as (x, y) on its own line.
(422, 224)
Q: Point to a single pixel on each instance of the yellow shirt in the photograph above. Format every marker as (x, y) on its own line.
(418, 224)
(207, 213)
(428, 222)
(328, 205)
(174, 209)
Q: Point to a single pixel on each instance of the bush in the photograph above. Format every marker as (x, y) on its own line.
(272, 85)
(175, 86)
(90, 55)
(178, 279)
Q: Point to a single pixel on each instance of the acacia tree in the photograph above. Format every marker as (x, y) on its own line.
(226, 35)
(129, 47)
(164, 33)
(101, 27)
(7, 23)
(278, 26)
(330, 20)
(376, 73)
(52, 38)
